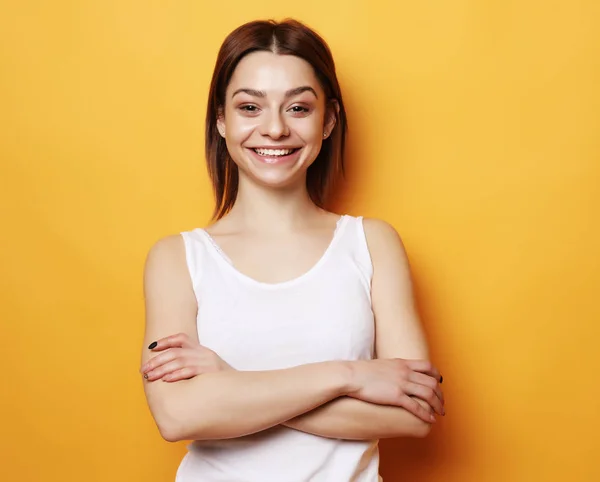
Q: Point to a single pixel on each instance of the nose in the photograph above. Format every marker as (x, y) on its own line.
(274, 126)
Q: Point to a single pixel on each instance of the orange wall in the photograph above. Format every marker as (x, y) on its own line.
(474, 130)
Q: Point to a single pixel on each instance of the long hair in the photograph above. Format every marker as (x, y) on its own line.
(289, 37)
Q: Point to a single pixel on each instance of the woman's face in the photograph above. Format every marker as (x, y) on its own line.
(274, 118)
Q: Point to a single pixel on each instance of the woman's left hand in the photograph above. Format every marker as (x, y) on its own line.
(182, 358)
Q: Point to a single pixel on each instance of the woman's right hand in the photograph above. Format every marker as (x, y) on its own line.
(399, 383)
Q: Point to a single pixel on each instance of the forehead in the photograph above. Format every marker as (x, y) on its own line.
(272, 73)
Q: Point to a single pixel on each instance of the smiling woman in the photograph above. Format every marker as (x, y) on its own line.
(284, 123)
(286, 45)
(286, 334)
(302, 107)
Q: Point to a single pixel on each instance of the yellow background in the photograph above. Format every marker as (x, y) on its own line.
(474, 130)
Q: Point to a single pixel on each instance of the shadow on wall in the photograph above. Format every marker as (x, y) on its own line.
(416, 460)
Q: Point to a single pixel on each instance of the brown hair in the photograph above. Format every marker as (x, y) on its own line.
(289, 37)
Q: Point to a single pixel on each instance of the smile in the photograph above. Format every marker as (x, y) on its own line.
(276, 156)
(274, 152)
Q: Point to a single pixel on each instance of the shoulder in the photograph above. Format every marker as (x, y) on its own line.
(386, 248)
(382, 236)
(168, 247)
(379, 228)
(166, 256)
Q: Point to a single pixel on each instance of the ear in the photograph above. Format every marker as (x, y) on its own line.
(221, 122)
(331, 115)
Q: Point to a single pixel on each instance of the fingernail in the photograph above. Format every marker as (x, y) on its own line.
(441, 378)
(152, 345)
(146, 376)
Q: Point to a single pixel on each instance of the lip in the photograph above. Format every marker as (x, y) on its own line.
(290, 158)
(275, 147)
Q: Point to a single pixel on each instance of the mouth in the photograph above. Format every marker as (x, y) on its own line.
(274, 156)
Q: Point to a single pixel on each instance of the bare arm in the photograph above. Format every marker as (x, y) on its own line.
(398, 335)
(351, 419)
(228, 403)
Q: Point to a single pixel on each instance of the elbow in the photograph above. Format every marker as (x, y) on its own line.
(170, 429)
(421, 429)
(172, 426)
(177, 431)
(178, 420)
(176, 426)
(415, 428)
(170, 432)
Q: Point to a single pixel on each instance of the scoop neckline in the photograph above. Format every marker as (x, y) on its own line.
(222, 258)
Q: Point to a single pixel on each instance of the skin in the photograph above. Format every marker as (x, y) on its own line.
(276, 101)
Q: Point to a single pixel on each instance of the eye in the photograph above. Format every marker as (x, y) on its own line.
(298, 109)
(249, 108)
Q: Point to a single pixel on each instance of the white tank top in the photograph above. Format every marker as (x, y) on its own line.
(324, 314)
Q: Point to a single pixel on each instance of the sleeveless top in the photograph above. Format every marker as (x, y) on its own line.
(324, 314)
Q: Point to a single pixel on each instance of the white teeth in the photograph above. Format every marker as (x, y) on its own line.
(274, 152)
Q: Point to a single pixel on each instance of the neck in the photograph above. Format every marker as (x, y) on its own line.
(271, 210)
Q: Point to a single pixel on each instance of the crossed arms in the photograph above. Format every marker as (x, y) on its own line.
(392, 396)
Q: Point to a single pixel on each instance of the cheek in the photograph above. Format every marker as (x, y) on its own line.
(311, 131)
(238, 128)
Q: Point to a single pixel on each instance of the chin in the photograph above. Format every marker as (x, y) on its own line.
(278, 180)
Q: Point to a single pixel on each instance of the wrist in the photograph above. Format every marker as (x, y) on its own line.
(347, 377)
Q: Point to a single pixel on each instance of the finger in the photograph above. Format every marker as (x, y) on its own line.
(163, 370)
(180, 340)
(184, 373)
(426, 394)
(427, 381)
(161, 359)
(417, 409)
(424, 366)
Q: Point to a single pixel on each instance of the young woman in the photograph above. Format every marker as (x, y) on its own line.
(282, 339)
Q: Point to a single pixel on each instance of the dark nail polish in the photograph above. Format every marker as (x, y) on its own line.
(152, 345)
(441, 378)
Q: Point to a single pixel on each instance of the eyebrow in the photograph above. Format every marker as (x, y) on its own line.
(289, 93)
